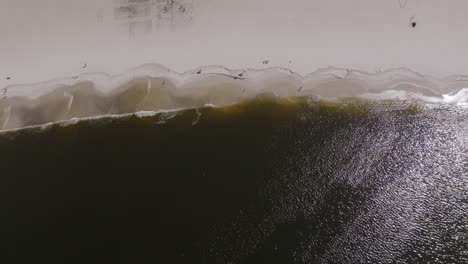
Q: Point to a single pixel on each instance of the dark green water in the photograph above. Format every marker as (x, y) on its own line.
(266, 181)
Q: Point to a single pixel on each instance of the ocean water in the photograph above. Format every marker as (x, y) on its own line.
(266, 179)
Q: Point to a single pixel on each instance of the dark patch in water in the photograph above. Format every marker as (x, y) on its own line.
(265, 181)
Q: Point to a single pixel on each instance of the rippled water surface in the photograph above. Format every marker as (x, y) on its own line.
(267, 180)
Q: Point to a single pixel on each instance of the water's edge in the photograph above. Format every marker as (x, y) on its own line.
(155, 88)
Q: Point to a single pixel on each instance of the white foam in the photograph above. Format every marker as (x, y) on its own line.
(145, 114)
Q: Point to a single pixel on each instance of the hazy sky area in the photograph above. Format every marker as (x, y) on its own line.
(46, 39)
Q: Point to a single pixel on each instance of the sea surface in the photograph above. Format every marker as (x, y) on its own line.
(266, 180)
